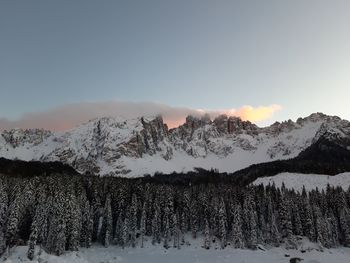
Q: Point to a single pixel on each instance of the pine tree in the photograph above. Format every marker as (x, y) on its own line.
(55, 242)
(307, 220)
(333, 228)
(40, 221)
(60, 243)
(222, 225)
(166, 221)
(87, 225)
(118, 233)
(206, 234)
(273, 236)
(133, 220)
(73, 221)
(182, 227)
(97, 217)
(237, 227)
(3, 210)
(176, 229)
(13, 221)
(286, 221)
(296, 220)
(321, 227)
(125, 232)
(107, 228)
(285, 218)
(32, 242)
(250, 219)
(156, 224)
(344, 216)
(143, 224)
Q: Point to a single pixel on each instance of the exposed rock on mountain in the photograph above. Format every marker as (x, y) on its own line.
(19, 137)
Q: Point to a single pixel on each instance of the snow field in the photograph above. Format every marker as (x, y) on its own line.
(187, 254)
(310, 181)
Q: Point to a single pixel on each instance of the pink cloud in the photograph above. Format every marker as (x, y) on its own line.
(70, 115)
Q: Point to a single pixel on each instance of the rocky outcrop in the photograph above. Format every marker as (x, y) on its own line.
(234, 125)
(19, 137)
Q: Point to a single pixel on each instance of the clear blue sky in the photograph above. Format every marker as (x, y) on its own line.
(194, 53)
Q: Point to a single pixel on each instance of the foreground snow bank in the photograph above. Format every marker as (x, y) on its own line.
(189, 253)
(310, 181)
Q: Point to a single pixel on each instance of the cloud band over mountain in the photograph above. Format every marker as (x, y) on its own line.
(70, 115)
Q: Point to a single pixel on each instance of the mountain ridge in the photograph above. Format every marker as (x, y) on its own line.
(145, 145)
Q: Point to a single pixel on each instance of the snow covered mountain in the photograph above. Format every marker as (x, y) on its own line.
(116, 146)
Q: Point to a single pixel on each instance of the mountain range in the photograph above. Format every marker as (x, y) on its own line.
(145, 145)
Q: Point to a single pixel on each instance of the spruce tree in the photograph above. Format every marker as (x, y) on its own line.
(73, 220)
(176, 229)
(143, 224)
(125, 232)
(87, 225)
(250, 221)
(237, 227)
(133, 220)
(206, 234)
(286, 221)
(3, 211)
(107, 228)
(156, 224)
(32, 242)
(222, 224)
(307, 220)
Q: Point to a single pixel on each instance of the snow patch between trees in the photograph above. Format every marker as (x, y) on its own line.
(310, 181)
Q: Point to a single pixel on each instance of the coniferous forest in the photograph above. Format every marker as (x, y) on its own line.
(60, 212)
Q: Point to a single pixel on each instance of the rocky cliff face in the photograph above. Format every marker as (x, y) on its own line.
(19, 137)
(134, 147)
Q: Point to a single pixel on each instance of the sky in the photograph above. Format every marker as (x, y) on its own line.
(276, 59)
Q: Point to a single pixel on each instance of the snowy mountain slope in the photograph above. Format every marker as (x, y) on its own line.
(297, 181)
(110, 146)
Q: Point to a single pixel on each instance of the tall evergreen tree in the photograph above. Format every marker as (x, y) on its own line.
(237, 227)
(133, 220)
(222, 224)
(3, 211)
(107, 228)
(32, 242)
(206, 234)
(143, 224)
(87, 225)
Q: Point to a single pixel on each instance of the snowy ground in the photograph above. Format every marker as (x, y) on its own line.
(310, 181)
(187, 254)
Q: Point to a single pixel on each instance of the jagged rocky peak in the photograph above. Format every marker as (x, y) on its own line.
(17, 137)
(138, 133)
(152, 135)
(193, 122)
(318, 117)
(156, 123)
(232, 124)
(278, 127)
(111, 126)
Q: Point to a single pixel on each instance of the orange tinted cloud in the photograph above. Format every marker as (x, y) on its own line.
(68, 116)
(252, 114)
